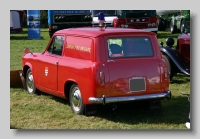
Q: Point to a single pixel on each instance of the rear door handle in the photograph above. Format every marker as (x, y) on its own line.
(110, 60)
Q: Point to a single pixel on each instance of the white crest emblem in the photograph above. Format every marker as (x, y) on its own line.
(46, 71)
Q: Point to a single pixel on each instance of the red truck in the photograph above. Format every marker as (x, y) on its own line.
(93, 65)
(137, 19)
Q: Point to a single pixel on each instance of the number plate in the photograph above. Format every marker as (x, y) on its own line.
(137, 84)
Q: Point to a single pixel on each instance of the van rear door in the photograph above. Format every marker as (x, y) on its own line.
(133, 66)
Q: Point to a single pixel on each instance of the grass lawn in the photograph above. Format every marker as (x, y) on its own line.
(49, 112)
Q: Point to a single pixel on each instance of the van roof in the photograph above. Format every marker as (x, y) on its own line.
(96, 31)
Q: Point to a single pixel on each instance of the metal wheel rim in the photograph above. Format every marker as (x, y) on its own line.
(182, 29)
(76, 99)
(30, 83)
(171, 29)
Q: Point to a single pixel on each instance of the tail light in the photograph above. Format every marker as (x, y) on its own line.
(165, 78)
(101, 78)
(166, 73)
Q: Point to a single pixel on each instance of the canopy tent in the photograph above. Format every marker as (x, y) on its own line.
(16, 19)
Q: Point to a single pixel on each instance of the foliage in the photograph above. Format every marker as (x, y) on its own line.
(44, 18)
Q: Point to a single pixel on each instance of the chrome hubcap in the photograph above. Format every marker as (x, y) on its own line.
(76, 99)
(30, 83)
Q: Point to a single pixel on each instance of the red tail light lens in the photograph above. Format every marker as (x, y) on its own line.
(165, 73)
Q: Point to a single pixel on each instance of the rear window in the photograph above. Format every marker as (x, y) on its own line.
(130, 47)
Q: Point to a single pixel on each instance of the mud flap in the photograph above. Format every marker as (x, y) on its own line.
(90, 110)
(16, 81)
(154, 104)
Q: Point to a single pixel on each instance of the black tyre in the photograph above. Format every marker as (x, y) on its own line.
(170, 69)
(30, 85)
(173, 28)
(75, 99)
(160, 26)
(182, 27)
(164, 25)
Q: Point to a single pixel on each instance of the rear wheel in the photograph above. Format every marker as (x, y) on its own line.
(167, 60)
(30, 85)
(75, 99)
(182, 27)
(173, 28)
(160, 26)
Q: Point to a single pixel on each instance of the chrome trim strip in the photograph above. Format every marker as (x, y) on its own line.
(105, 100)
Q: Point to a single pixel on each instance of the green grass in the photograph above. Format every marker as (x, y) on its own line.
(49, 112)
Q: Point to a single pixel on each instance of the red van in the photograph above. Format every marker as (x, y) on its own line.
(95, 65)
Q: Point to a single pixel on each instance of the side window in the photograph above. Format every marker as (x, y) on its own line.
(56, 46)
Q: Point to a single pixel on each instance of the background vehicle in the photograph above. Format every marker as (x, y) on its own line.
(137, 19)
(178, 21)
(178, 59)
(109, 16)
(63, 19)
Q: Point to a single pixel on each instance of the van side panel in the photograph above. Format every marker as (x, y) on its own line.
(79, 47)
(76, 65)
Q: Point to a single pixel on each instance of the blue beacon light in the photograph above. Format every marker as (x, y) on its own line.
(101, 19)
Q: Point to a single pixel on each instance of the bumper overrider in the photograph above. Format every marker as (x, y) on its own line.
(105, 100)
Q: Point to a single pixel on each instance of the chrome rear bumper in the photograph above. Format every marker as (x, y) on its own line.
(105, 100)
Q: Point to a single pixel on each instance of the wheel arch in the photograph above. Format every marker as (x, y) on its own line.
(67, 87)
(25, 68)
(174, 59)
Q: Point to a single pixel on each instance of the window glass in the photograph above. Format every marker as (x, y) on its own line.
(56, 45)
(130, 47)
(136, 13)
(61, 18)
(95, 13)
